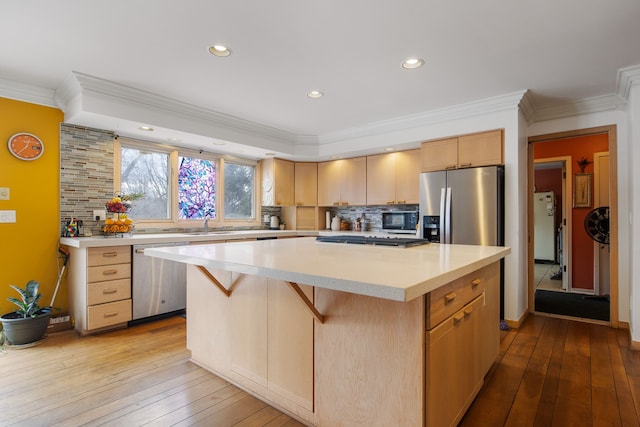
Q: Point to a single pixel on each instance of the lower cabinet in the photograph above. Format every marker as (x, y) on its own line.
(100, 288)
(461, 348)
(260, 337)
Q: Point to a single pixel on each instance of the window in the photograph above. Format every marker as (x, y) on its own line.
(185, 186)
(196, 188)
(146, 172)
(239, 190)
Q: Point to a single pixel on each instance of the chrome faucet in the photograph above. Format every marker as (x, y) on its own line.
(206, 224)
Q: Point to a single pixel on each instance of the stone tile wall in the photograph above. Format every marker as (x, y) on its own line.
(86, 173)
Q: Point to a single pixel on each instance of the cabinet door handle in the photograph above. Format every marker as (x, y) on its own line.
(390, 202)
(112, 314)
(449, 297)
(299, 203)
(458, 318)
(475, 283)
(451, 167)
(109, 272)
(109, 254)
(345, 203)
(467, 311)
(401, 202)
(109, 291)
(465, 165)
(336, 203)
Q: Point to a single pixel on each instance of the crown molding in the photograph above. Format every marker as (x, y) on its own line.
(456, 112)
(28, 93)
(90, 87)
(627, 77)
(578, 107)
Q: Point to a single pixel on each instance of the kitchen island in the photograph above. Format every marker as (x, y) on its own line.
(338, 334)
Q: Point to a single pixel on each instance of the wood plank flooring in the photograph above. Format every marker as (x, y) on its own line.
(559, 372)
(132, 377)
(551, 372)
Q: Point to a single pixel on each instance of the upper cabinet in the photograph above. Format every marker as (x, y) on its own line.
(277, 182)
(306, 184)
(342, 182)
(478, 149)
(393, 178)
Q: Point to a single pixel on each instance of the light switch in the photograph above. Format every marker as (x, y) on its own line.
(7, 216)
(4, 193)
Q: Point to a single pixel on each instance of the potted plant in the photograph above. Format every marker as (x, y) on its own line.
(29, 323)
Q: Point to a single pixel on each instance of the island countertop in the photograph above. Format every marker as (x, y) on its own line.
(399, 274)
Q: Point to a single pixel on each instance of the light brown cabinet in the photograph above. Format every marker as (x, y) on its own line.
(478, 149)
(100, 288)
(393, 178)
(342, 182)
(306, 184)
(277, 182)
(462, 342)
(262, 339)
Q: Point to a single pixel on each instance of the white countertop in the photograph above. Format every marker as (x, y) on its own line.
(393, 273)
(214, 236)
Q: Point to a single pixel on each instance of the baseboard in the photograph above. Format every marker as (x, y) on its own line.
(515, 324)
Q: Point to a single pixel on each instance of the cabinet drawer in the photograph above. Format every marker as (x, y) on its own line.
(113, 290)
(109, 255)
(473, 285)
(112, 313)
(103, 273)
(443, 302)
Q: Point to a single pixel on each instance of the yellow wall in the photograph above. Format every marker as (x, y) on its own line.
(29, 247)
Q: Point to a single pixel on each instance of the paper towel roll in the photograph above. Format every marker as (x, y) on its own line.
(328, 220)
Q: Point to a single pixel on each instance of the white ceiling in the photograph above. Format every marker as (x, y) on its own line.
(560, 51)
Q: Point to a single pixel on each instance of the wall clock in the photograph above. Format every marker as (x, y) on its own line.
(26, 146)
(596, 223)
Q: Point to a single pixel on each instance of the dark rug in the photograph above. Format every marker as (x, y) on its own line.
(575, 305)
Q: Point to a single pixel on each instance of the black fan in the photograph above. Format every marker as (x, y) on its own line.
(596, 223)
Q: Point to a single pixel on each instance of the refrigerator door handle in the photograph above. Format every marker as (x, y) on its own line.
(442, 214)
(447, 215)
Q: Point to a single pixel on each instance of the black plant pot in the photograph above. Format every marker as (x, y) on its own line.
(20, 330)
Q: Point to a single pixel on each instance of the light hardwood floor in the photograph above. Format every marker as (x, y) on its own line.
(551, 372)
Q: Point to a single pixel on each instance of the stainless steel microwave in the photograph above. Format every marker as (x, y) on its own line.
(400, 222)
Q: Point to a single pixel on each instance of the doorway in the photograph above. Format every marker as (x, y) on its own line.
(585, 276)
(552, 224)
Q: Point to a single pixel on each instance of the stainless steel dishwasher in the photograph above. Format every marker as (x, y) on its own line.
(159, 286)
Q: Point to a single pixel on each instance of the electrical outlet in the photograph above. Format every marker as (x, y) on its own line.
(4, 193)
(99, 215)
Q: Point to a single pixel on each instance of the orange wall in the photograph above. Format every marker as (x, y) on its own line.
(29, 246)
(582, 245)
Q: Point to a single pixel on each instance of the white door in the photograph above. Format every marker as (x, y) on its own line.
(601, 198)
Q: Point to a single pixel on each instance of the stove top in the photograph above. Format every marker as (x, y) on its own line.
(380, 241)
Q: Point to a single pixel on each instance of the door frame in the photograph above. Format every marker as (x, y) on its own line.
(611, 132)
(567, 191)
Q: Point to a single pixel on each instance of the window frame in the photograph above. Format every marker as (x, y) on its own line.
(174, 154)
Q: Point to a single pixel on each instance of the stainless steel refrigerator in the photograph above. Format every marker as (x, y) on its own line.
(463, 206)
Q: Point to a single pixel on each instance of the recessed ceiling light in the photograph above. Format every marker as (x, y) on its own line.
(146, 128)
(218, 142)
(173, 139)
(412, 63)
(270, 154)
(219, 50)
(315, 94)
(389, 149)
